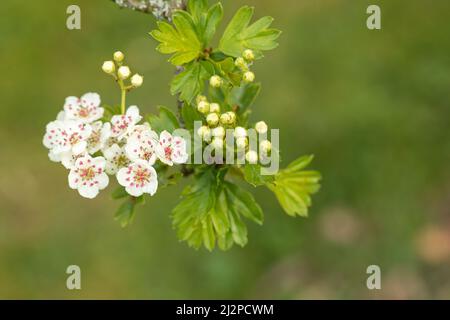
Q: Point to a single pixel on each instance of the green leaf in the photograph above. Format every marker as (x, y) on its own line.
(244, 96)
(242, 202)
(252, 174)
(190, 115)
(294, 187)
(205, 20)
(191, 82)
(239, 35)
(166, 120)
(125, 213)
(211, 212)
(119, 193)
(181, 39)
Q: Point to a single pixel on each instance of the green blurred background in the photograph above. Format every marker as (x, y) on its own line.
(373, 106)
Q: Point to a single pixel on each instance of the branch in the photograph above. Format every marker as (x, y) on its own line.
(161, 9)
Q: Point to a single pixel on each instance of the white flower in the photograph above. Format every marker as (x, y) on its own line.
(115, 159)
(100, 134)
(124, 72)
(86, 109)
(67, 136)
(108, 67)
(171, 150)
(261, 127)
(137, 80)
(142, 145)
(138, 178)
(68, 159)
(124, 124)
(88, 176)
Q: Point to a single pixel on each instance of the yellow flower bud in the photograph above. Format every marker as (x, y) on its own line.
(214, 107)
(201, 98)
(240, 132)
(124, 72)
(249, 55)
(218, 132)
(205, 133)
(249, 77)
(212, 119)
(118, 56)
(137, 80)
(217, 142)
(203, 107)
(109, 67)
(251, 157)
(242, 142)
(241, 64)
(215, 81)
(265, 146)
(261, 127)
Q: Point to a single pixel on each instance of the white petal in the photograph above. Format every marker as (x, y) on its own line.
(135, 191)
(79, 148)
(112, 151)
(54, 157)
(133, 112)
(90, 99)
(122, 177)
(73, 180)
(103, 181)
(88, 191)
(61, 116)
(100, 162)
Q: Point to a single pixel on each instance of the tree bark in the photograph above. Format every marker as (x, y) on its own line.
(161, 9)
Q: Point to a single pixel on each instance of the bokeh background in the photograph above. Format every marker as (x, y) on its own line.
(373, 106)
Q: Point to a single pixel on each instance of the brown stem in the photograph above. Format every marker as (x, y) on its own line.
(159, 8)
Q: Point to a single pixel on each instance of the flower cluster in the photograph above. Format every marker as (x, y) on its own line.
(216, 127)
(92, 147)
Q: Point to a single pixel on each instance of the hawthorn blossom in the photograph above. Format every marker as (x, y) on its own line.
(138, 178)
(85, 109)
(142, 144)
(99, 136)
(115, 159)
(123, 124)
(88, 176)
(171, 149)
(66, 136)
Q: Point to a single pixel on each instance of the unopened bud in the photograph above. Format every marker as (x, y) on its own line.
(241, 64)
(217, 143)
(251, 157)
(218, 132)
(242, 142)
(109, 67)
(240, 132)
(261, 127)
(249, 55)
(124, 72)
(215, 81)
(203, 107)
(249, 77)
(205, 133)
(214, 107)
(201, 98)
(265, 146)
(137, 80)
(118, 56)
(212, 119)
